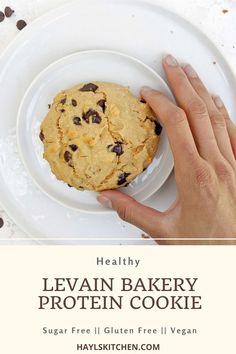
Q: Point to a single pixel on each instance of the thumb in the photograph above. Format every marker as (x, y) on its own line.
(145, 218)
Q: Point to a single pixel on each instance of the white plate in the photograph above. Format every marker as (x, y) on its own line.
(97, 65)
(139, 28)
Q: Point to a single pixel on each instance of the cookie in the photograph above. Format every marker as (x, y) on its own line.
(98, 136)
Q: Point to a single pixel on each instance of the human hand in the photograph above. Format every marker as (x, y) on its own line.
(203, 141)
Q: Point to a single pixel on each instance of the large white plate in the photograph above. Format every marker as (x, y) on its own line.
(138, 28)
(92, 65)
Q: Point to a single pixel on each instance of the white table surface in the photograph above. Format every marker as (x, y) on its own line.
(206, 14)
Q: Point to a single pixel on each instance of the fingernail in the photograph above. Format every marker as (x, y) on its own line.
(189, 70)
(146, 89)
(218, 101)
(104, 201)
(170, 60)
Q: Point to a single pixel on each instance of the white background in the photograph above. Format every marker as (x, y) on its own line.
(206, 14)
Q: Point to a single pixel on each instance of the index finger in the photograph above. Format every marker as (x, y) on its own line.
(177, 127)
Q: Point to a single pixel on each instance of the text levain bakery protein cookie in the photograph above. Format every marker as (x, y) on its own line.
(99, 136)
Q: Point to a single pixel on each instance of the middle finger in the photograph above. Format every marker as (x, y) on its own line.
(217, 119)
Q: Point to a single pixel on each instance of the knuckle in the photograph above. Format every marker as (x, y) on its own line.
(192, 159)
(177, 116)
(227, 118)
(182, 170)
(207, 185)
(125, 213)
(203, 176)
(192, 154)
(197, 107)
(224, 171)
(218, 119)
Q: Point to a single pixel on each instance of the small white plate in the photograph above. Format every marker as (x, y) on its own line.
(86, 66)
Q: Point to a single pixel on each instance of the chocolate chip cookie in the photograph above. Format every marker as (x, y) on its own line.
(99, 136)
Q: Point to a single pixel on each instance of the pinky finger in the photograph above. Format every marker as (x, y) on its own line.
(230, 125)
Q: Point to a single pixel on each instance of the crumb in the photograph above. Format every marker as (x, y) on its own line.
(21, 24)
(225, 11)
(214, 62)
(8, 11)
(2, 16)
(144, 236)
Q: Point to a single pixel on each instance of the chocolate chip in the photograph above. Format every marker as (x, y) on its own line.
(92, 113)
(2, 16)
(122, 178)
(63, 101)
(49, 106)
(74, 102)
(144, 169)
(142, 101)
(96, 119)
(89, 87)
(1, 223)
(41, 136)
(118, 148)
(21, 24)
(8, 11)
(67, 156)
(86, 117)
(62, 110)
(77, 120)
(102, 104)
(158, 128)
(73, 147)
(126, 185)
